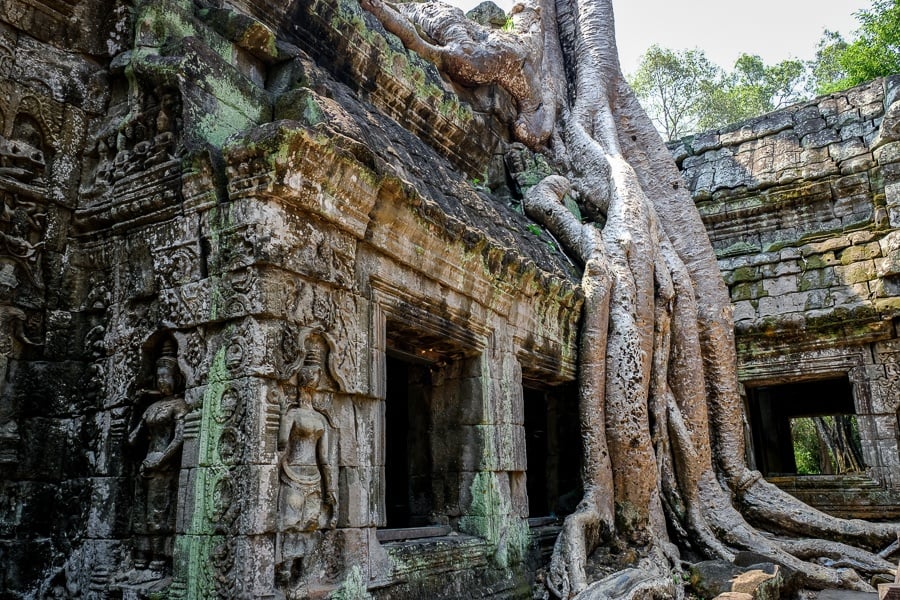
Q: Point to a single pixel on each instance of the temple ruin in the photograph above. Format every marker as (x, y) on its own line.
(277, 326)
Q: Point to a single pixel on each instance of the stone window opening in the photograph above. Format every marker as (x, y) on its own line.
(432, 401)
(805, 428)
(553, 478)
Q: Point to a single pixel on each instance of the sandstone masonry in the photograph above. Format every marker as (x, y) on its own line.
(803, 210)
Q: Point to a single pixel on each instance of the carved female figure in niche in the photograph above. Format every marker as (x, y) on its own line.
(162, 427)
(308, 498)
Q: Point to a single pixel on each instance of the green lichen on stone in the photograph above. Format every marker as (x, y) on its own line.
(751, 290)
(490, 517)
(858, 272)
(815, 279)
(234, 112)
(816, 261)
(310, 110)
(888, 306)
(353, 587)
(738, 249)
(196, 546)
(744, 273)
(167, 21)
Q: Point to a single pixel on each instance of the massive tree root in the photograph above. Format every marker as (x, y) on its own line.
(660, 410)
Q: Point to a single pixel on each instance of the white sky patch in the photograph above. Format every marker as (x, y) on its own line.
(774, 29)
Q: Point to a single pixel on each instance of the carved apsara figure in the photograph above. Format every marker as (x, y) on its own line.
(162, 427)
(307, 498)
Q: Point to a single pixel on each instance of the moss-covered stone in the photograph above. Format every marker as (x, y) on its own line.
(857, 272)
(859, 253)
(748, 291)
(813, 279)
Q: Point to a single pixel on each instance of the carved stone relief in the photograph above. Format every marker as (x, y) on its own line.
(307, 445)
(337, 314)
(157, 437)
(133, 167)
(307, 451)
(23, 223)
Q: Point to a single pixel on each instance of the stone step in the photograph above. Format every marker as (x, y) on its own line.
(846, 595)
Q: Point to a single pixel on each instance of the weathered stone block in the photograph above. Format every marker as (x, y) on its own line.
(848, 149)
(857, 165)
(111, 500)
(446, 494)
(742, 274)
(468, 448)
(518, 494)
(856, 272)
(711, 578)
(819, 138)
(744, 310)
(737, 136)
(781, 305)
(815, 279)
(355, 498)
(705, 142)
(859, 253)
(510, 447)
(256, 489)
(856, 129)
(748, 291)
(817, 299)
(808, 126)
(773, 123)
(779, 286)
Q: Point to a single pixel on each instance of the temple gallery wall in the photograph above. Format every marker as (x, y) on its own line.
(275, 325)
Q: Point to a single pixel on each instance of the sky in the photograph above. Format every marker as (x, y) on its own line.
(774, 29)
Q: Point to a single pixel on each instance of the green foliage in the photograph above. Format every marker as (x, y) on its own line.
(826, 73)
(806, 446)
(873, 52)
(672, 85)
(683, 92)
(533, 229)
(752, 88)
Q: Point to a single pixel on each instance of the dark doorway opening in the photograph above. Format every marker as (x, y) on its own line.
(805, 428)
(553, 451)
(407, 468)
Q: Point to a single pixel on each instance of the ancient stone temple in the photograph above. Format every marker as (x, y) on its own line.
(803, 209)
(276, 326)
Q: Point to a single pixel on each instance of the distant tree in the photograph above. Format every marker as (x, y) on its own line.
(673, 86)
(873, 52)
(684, 92)
(752, 88)
(825, 71)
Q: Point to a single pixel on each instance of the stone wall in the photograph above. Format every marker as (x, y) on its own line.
(215, 243)
(802, 207)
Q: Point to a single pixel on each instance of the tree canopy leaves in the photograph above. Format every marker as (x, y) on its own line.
(684, 92)
(672, 86)
(874, 51)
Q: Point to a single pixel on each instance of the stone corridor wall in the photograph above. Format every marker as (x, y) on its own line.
(212, 241)
(803, 208)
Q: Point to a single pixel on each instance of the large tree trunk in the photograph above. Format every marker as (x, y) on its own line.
(660, 409)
